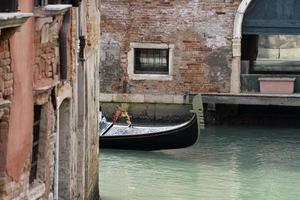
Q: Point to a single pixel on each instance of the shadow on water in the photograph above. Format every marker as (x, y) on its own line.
(225, 163)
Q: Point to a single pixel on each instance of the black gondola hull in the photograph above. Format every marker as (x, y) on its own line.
(172, 139)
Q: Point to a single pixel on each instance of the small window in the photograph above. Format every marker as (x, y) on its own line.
(35, 144)
(151, 61)
(41, 3)
(9, 6)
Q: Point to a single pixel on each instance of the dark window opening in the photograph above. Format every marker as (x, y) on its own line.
(35, 143)
(271, 37)
(151, 61)
(9, 6)
(40, 3)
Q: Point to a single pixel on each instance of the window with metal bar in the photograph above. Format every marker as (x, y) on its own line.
(41, 3)
(151, 61)
(35, 143)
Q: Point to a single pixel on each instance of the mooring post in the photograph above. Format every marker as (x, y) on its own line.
(198, 110)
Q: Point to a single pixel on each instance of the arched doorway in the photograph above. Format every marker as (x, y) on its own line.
(65, 148)
(266, 40)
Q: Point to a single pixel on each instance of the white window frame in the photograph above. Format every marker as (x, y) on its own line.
(134, 76)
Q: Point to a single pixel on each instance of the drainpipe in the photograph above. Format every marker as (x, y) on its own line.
(63, 44)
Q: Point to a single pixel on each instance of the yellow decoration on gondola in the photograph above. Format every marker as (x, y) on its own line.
(128, 119)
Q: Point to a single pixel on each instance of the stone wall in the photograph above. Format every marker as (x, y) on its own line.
(278, 47)
(91, 67)
(200, 30)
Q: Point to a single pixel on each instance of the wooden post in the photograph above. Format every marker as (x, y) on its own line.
(198, 110)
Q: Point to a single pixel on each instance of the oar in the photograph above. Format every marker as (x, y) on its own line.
(108, 128)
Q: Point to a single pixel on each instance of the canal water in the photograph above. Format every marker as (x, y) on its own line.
(227, 163)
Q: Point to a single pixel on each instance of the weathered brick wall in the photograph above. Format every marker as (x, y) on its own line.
(6, 75)
(93, 24)
(6, 91)
(45, 72)
(200, 30)
(46, 48)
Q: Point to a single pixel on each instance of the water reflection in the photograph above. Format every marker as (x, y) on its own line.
(225, 163)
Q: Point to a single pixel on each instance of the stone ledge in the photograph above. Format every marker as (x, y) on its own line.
(42, 90)
(52, 10)
(252, 99)
(143, 98)
(37, 191)
(44, 85)
(12, 20)
(58, 7)
(209, 98)
(105, 97)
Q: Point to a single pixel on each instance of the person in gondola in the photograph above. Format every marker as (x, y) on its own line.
(118, 114)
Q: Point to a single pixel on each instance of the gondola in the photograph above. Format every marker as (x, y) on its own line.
(153, 138)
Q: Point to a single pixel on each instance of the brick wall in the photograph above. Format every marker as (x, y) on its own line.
(49, 91)
(6, 91)
(46, 48)
(9, 188)
(200, 30)
(6, 80)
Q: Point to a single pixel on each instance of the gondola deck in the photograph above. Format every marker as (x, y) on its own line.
(153, 138)
(172, 138)
(121, 130)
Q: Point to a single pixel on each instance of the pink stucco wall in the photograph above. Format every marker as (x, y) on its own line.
(21, 118)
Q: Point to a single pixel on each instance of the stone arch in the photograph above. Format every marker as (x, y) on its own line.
(236, 47)
(64, 92)
(64, 150)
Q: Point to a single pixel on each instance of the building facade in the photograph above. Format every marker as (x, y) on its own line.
(196, 34)
(162, 50)
(48, 123)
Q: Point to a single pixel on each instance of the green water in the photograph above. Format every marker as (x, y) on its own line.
(225, 163)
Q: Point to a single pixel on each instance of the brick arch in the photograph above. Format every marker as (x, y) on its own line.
(236, 47)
